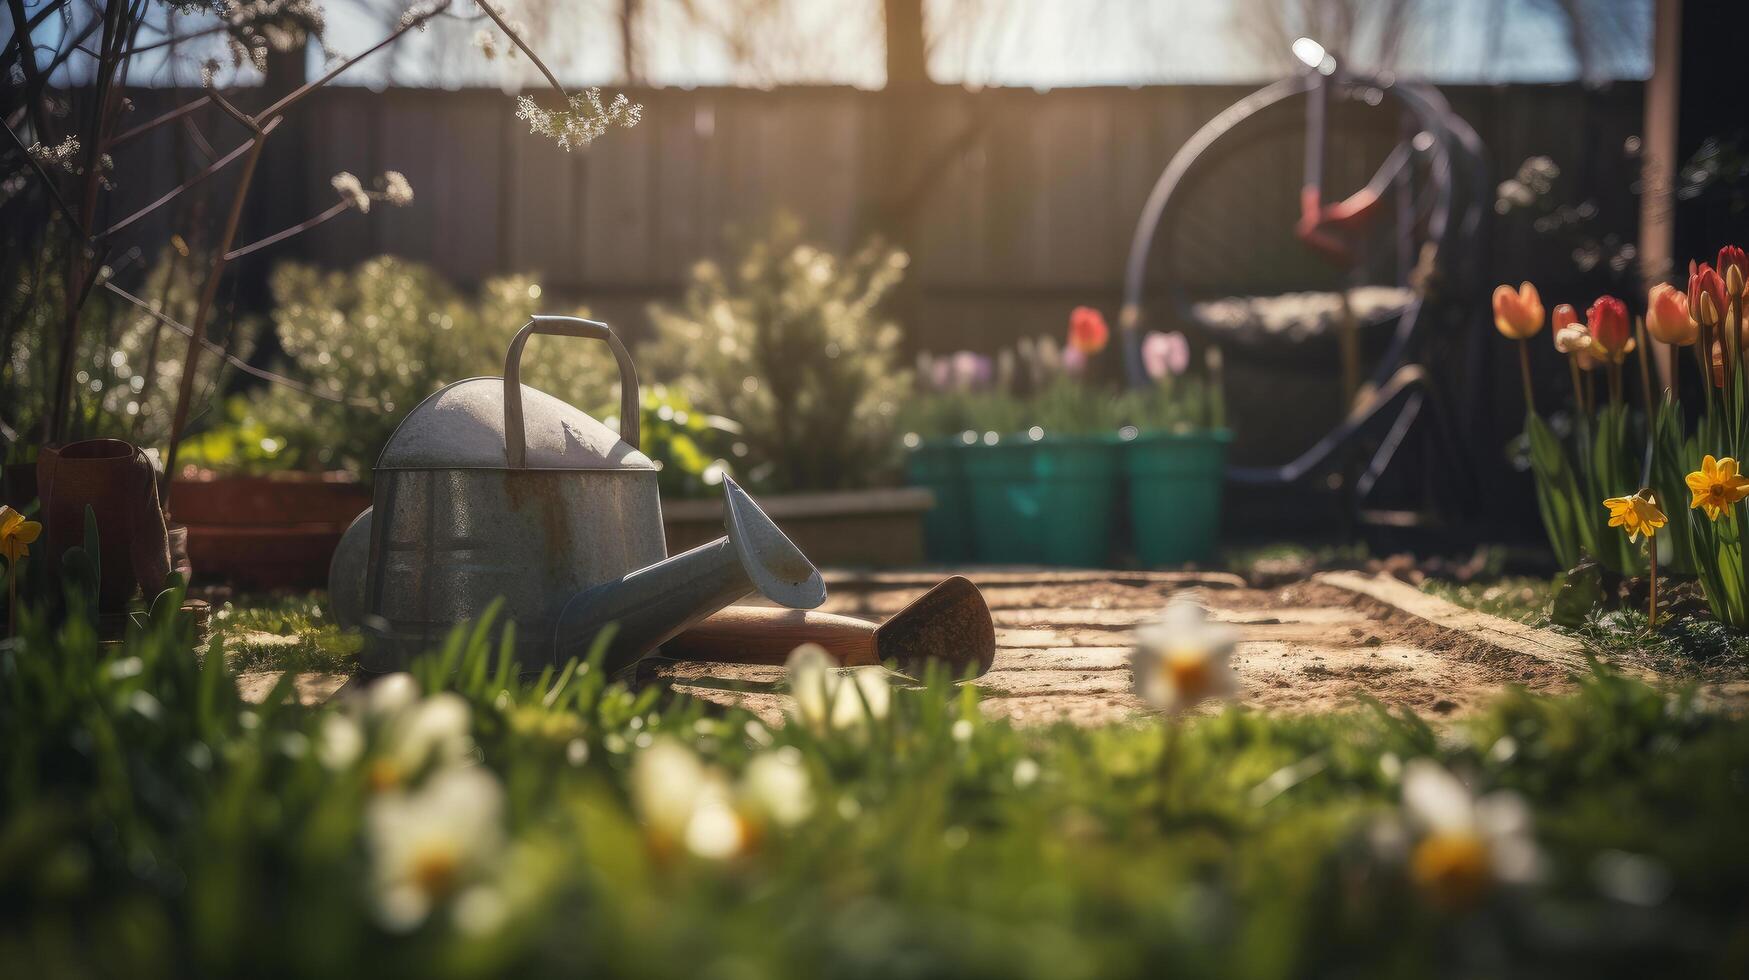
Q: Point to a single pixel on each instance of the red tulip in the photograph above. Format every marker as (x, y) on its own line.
(1667, 316)
(1706, 294)
(1611, 333)
(1732, 259)
(1087, 330)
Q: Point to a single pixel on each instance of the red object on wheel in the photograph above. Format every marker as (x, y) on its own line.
(1348, 215)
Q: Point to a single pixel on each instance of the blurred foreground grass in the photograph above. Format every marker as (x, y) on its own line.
(471, 824)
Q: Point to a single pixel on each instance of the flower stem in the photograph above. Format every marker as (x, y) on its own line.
(1524, 372)
(1652, 556)
(1578, 385)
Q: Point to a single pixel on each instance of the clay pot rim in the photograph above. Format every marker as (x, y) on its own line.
(97, 450)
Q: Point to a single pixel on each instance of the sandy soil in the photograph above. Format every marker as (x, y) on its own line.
(1063, 649)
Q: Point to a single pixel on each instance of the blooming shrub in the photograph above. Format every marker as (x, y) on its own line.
(788, 340)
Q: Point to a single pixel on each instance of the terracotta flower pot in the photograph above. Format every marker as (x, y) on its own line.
(259, 532)
(117, 482)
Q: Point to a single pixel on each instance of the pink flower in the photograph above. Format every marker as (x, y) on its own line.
(971, 370)
(1074, 361)
(1165, 354)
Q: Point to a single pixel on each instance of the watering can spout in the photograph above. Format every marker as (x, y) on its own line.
(652, 605)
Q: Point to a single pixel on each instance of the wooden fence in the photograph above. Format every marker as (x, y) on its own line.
(1030, 213)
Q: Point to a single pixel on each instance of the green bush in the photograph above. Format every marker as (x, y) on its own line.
(788, 341)
(390, 332)
(129, 365)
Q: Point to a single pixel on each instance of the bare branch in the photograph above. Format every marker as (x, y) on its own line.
(177, 191)
(339, 208)
(411, 22)
(171, 116)
(522, 45)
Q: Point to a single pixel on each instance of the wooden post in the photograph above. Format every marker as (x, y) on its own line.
(1658, 161)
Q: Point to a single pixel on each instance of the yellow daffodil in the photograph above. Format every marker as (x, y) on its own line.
(1716, 486)
(16, 535)
(1637, 515)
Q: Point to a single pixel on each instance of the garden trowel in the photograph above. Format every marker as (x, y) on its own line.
(950, 625)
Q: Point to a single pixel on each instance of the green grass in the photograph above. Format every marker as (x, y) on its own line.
(1521, 598)
(1687, 643)
(283, 632)
(151, 824)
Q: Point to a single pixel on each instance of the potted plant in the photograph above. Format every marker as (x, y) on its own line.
(788, 341)
(1175, 454)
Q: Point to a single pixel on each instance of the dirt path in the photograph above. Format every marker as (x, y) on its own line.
(1063, 642)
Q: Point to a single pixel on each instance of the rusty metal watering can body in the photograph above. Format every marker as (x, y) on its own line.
(492, 489)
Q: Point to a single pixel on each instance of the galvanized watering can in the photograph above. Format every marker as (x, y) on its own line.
(493, 489)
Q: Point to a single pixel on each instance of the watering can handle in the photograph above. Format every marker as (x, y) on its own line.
(515, 442)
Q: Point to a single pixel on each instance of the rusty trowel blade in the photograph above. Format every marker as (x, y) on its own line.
(949, 624)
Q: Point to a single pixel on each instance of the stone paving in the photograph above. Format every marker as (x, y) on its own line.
(1063, 641)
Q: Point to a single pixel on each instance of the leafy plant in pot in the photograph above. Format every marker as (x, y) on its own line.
(1175, 453)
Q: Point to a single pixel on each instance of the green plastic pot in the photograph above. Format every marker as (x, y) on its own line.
(938, 465)
(1043, 502)
(1175, 482)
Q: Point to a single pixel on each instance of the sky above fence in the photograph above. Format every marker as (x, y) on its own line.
(1026, 43)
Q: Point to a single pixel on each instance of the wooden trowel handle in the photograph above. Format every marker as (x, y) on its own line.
(766, 635)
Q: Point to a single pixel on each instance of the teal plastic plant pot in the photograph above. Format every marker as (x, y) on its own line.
(1046, 502)
(938, 465)
(1175, 482)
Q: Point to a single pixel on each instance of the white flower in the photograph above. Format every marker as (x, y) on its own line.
(1182, 659)
(776, 788)
(433, 731)
(428, 844)
(1465, 844)
(583, 121)
(391, 695)
(833, 699)
(1572, 338)
(351, 191)
(340, 742)
(683, 802)
(1025, 773)
(396, 190)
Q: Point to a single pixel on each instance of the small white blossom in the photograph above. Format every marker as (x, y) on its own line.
(582, 122)
(1183, 658)
(63, 154)
(396, 190)
(835, 699)
(1465, 844)
(426, 845)
(776, 788)
(351, 191)
(1572, 339)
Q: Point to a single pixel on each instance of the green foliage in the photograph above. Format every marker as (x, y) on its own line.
(694, 449)
(239, 444)
(129, 364)
(788, 341)
(153, 824)
(391, 332)
(1189, 403)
